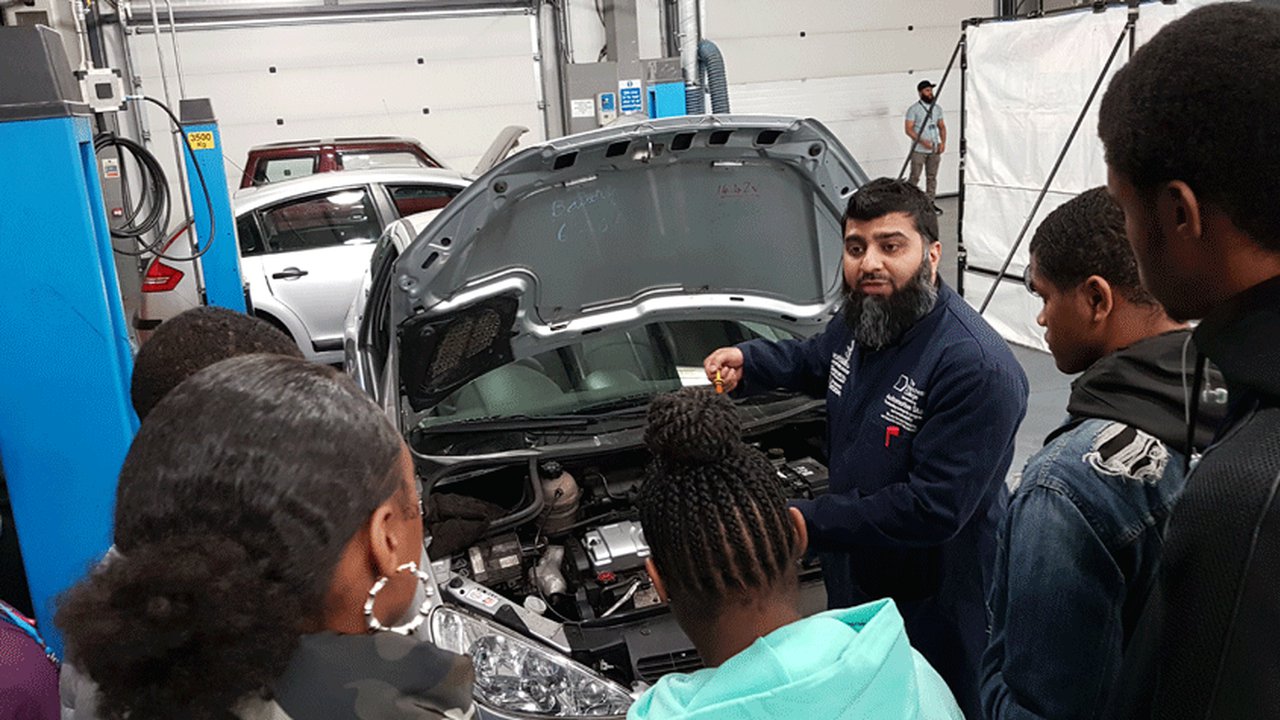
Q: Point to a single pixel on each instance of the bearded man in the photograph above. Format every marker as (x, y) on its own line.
(923, 402)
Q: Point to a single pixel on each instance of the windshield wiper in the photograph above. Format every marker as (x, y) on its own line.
(635, 403)
(500, 423)
(524, 423)
(624, 407)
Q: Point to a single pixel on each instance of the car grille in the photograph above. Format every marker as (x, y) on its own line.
(655, 666)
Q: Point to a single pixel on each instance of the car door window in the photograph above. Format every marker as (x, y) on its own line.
(250, 238)
(376, 332)
(285, 168)
(337, 217)
(410, 199)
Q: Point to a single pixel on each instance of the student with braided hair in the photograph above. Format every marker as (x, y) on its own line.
(726, 550)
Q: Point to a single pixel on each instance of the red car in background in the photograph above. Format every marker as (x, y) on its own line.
(298, 158)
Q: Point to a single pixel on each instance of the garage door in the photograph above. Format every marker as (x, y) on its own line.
(450, 80)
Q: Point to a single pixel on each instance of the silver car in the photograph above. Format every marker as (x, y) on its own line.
(516, 343)
(395, 239)
(303, 246)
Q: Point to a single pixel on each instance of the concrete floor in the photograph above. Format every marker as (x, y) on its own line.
(1047, 404)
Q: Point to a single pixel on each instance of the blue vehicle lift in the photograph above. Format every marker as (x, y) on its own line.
(66, 419)
(65, 358)
(207, 177)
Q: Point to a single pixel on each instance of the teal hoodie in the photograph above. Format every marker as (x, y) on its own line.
(840, 665)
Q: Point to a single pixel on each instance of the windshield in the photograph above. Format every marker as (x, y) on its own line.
(601, 373)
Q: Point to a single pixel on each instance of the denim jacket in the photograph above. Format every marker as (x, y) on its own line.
(1082, 537)
(1079, 548)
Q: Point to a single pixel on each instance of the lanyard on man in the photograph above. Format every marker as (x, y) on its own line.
(928, 113)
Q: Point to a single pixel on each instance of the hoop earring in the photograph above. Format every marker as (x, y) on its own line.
(376, 625)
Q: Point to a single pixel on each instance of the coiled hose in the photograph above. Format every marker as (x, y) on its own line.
(154, 195)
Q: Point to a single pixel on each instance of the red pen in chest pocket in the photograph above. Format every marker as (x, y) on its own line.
(890, 432)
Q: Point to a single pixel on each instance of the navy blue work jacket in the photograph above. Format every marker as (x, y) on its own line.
(920, 437)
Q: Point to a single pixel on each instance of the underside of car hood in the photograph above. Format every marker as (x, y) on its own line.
(602, 228)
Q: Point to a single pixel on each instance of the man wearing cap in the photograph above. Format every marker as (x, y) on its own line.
(928, 133)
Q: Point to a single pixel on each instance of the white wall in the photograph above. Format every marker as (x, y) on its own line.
(476, 75)
(853, 64)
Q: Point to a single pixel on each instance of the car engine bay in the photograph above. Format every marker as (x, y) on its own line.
(561, 554)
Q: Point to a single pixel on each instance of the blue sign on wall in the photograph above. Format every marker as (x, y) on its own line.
(630, 97)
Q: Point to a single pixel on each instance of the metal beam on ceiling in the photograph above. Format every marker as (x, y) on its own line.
(204, 14)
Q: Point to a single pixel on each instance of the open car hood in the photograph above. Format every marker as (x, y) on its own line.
(604, 228)
(506, 141)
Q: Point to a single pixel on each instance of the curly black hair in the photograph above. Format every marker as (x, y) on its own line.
(1198, 103)
(235, 503)
(1083, 237)
(887, 195)
(194, 340)
(712, 507)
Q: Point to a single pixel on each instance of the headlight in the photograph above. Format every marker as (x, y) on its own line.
(515, 674)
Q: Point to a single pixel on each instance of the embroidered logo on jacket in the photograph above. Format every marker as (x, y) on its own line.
(904, 405)
(840, 370)
(1123, 451)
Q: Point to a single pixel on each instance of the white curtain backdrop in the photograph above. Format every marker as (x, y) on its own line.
(1026, 82)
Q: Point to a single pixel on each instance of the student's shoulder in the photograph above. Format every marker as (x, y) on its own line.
(1121, 479)
(1056, 477)
(1062, 465)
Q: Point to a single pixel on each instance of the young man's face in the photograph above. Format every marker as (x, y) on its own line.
(927, 94)
(1066, 318)
(1159, 266)
(882, 255)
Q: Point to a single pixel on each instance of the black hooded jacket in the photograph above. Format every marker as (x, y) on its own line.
(1145, 386)
(1211, 647)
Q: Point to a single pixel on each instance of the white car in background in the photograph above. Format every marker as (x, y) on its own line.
(304, 245)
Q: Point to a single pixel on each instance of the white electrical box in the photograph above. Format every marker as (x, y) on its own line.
(103, 89)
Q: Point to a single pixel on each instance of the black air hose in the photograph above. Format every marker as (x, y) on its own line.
(155, 193)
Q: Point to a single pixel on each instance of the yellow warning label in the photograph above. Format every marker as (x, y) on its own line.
(201, 140)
